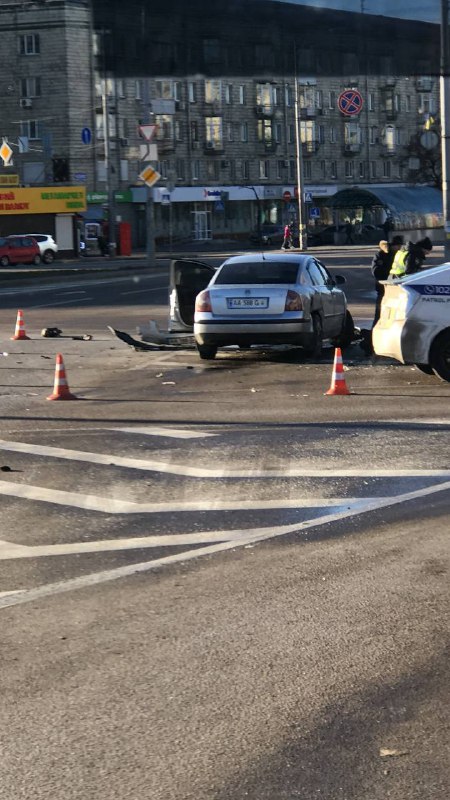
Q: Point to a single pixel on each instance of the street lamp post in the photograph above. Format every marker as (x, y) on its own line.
(445, 127)
(302, 235)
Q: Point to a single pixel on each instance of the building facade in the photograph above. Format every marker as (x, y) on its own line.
(226, 146)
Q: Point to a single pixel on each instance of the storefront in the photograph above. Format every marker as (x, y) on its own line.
(46, 209)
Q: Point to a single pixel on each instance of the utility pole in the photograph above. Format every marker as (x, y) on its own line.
(107, 152)
(445, 127)
(149, 205)
(302, 234)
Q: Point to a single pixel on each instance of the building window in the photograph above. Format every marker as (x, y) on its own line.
(167, 90)
(349, 169)
(164, 127)
(124, 176)
(371, 101)
(121, 88)
(276, 94)
(399, 170)
(31, 129)
(29, 44)
(213, 130)
(352, 135)
(321, 134)
(264, 170)
(244, 131)
(242, 95)
(288, 95)
(178, 130)
(164, 168)
(30, 87)
(331, 99)
(213, 91)
(180, 169)
(195, 169)
(138, 88)
(280, 170)
(245, 170)
(194, 130)
(230, 131)
(386, 169)
(264, 131)
(333, 169)
(212, 170)
(292, 170)
(307, 170)
(278, 128)
(408, 102)
(373, 135)
(333, 135)
(361, 169)
(373, 169)
(192, 92)
(425, 104)
(229, 93)
(323, 169)
(291, 134)
(264, 96)
(319, 98)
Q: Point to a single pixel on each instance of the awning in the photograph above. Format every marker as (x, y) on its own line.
(408, 206)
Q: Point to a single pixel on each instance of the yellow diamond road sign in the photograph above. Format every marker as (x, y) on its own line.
(5, 153)
(150, 176)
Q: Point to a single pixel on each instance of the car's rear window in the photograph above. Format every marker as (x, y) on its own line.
(257, 272)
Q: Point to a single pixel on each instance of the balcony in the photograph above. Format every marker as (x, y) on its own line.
(308, 148)
(389, 150)
(214, 148)
(165, 145)
(350, 148)
(265, 110)
(308, 112)
(390, 113)
(268, 147)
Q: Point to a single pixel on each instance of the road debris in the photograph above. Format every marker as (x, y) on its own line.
(385, 752)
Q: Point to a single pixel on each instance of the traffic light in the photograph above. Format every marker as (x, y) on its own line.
(60, 170)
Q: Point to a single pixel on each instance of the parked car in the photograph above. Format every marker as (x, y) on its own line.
(268, 235)
(414, 326)
(259, 299)
(19, 250)
(47, 246)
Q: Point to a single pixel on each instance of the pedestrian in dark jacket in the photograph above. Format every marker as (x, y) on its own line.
(381, 267)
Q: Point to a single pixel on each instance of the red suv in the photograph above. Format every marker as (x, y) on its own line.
(19, 250)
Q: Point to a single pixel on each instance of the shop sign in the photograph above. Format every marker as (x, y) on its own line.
(43, 200)
(9, 180)
(99, 198)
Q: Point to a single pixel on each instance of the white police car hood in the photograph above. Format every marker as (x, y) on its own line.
(430, 282)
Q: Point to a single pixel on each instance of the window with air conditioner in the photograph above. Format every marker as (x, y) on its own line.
(30, 87)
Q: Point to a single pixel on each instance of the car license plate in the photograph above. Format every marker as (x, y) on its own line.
(247, 302)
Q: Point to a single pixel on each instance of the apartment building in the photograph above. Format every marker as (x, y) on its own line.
(226, 145)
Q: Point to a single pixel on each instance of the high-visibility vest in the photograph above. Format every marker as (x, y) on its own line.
(398, 268)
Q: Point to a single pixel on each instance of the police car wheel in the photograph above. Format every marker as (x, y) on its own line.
(440, 356)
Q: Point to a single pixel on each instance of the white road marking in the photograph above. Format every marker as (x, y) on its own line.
(248, 537)
(204, 472)
(8, 594)
(172, 433)
(145, 291)
(111, 505)
(60, 303)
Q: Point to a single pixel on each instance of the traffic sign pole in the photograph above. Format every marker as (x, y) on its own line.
(302, 234)
(149, 205)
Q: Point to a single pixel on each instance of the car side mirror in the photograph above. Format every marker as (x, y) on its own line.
(339, 280)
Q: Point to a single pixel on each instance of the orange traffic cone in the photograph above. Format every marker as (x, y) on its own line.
(61, 388)
(20, 328)
(338, 384)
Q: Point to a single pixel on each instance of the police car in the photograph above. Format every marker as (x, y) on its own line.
(414, 325)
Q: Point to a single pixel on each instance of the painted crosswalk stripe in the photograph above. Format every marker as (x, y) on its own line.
(290, 471)
(173, 433)
(113, 505)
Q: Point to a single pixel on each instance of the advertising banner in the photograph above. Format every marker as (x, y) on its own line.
(43, 200)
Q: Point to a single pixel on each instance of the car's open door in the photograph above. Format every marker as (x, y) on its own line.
(187, 279)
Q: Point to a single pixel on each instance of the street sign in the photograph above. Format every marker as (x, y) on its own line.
(308, 197)
(314, 212)
(429, 139)
(165, 199)
(350, 102)
(150, 176)
(80, 177)
(6, 153)
(86, 136)
(147, 132)
(219, 206)
(148, 152)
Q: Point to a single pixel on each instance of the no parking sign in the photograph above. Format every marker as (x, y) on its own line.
(350, 102)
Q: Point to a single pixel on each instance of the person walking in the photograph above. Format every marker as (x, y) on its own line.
(287, 241)
(349, 232)
(409, 258)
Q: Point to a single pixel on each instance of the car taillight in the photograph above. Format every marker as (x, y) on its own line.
(203, 302)
(293, 301)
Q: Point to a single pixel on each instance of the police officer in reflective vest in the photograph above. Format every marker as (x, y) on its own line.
(409, 259)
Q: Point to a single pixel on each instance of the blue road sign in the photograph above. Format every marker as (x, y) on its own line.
(350, 102)
(219, 206)
(314, 212)
(308, 197)
(86, 135)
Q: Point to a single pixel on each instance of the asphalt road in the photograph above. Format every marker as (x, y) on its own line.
(215, 582)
